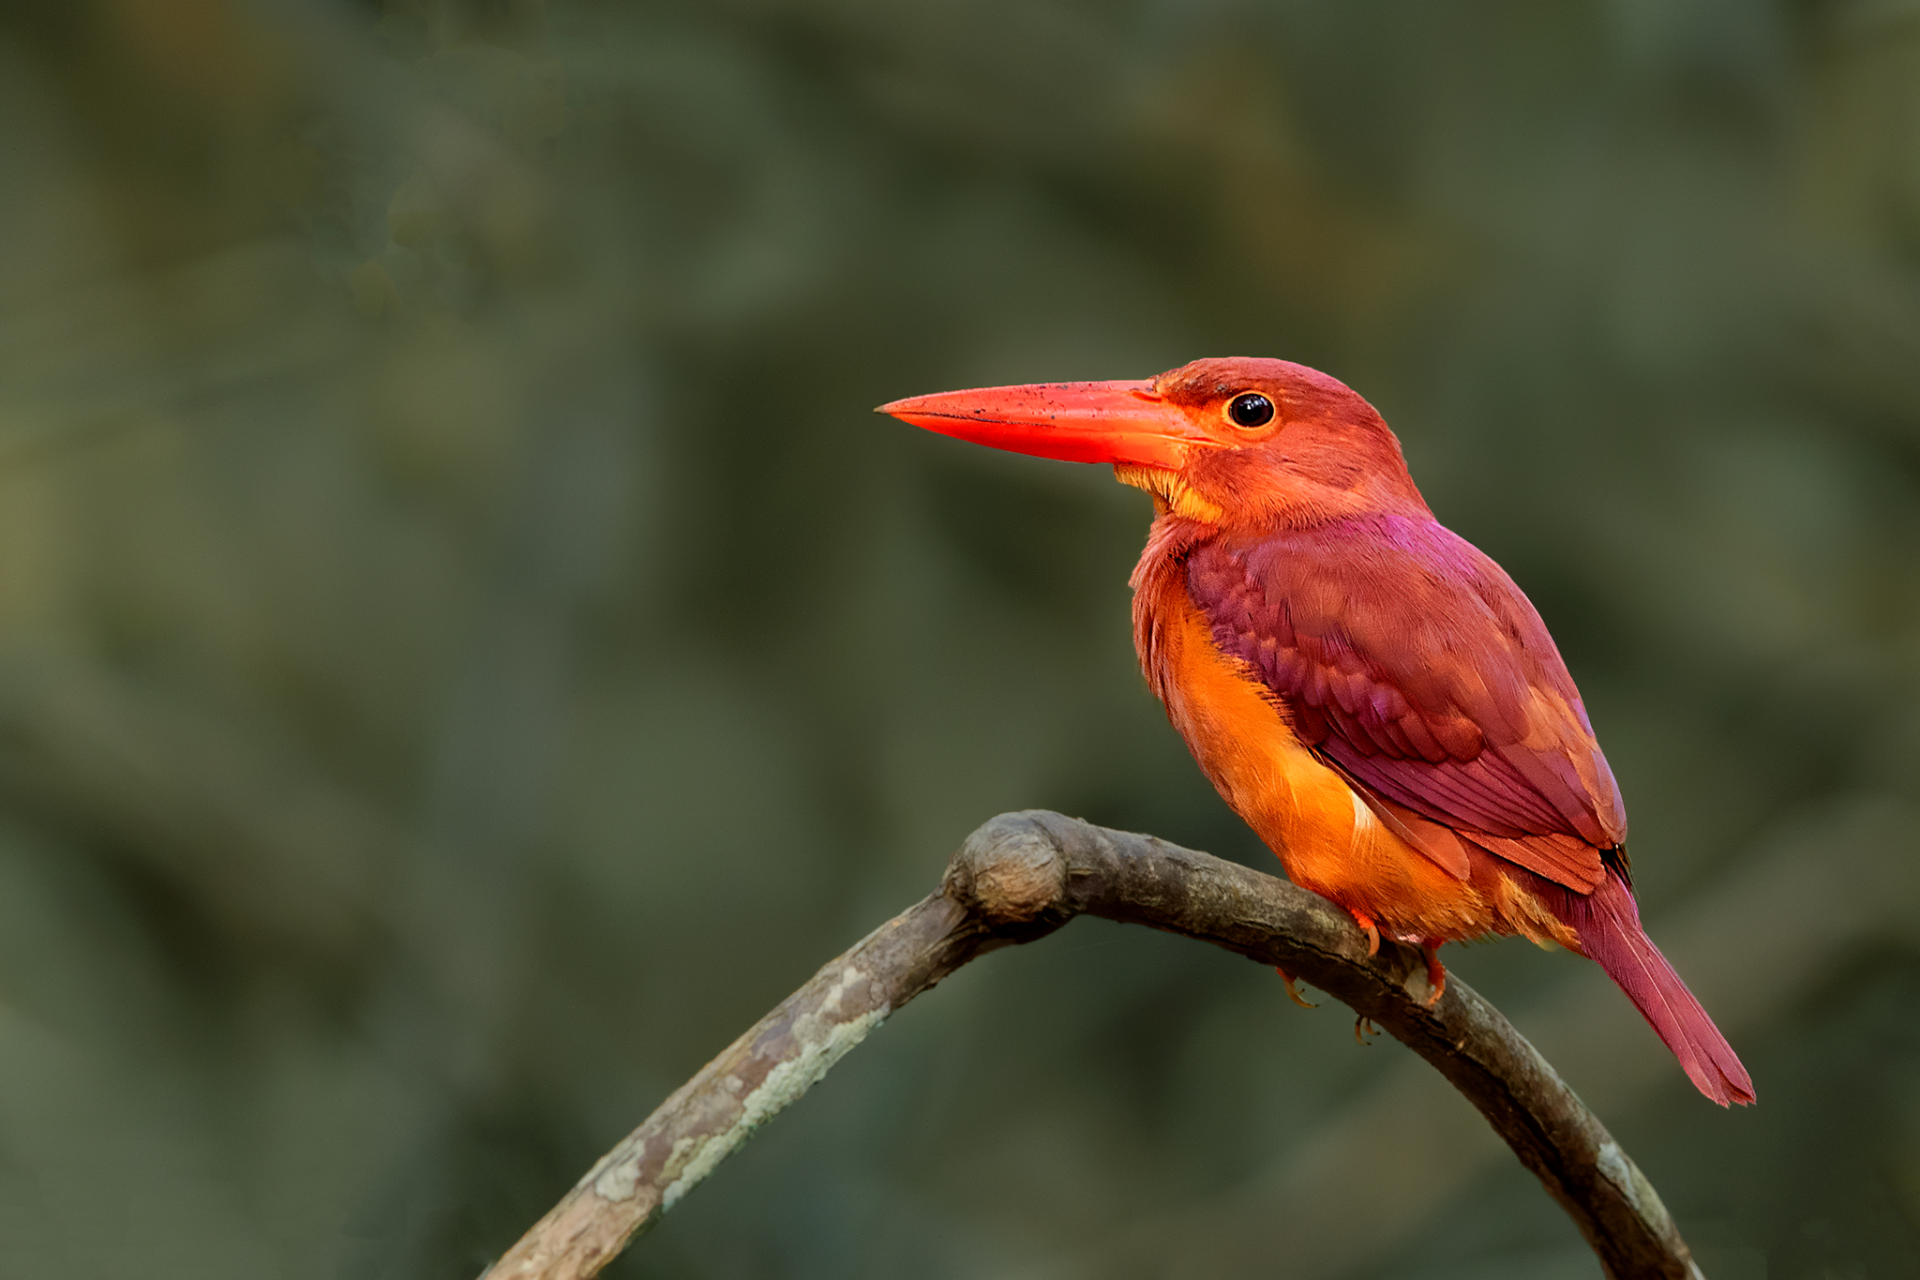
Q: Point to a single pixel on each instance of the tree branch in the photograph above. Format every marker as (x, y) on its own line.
(1017, 879)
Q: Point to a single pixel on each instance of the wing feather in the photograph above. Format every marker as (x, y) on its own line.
(1412, 664)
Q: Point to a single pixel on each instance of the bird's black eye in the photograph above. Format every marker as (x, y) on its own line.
(1250, 409)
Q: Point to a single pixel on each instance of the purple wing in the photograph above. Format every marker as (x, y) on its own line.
(1411, 663)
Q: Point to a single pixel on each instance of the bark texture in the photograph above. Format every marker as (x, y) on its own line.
(1017, 879)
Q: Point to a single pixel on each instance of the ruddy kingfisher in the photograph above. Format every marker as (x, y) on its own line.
(1371, 693)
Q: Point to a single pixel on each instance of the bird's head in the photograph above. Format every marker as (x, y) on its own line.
(1229, 441)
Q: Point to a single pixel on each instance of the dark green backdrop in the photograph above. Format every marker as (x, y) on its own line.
(466, 648)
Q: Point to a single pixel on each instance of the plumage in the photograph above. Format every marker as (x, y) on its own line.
(1372, 694)
(1375, 634)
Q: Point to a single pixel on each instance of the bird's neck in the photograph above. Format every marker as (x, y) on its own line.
(1159, 585)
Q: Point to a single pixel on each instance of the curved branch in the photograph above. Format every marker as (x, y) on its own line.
(1017, 879)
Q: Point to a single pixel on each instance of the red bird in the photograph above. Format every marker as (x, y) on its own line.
(1370, 692)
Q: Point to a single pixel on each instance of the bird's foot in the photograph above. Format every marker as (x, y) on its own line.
(1293, 992)
(1363, 1026)
(1372, 931)
(1436, 972)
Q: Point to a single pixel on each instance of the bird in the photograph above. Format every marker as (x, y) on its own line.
(1368, 691)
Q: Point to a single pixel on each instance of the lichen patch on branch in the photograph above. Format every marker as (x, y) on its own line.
(619, 1179)
(694, 1158)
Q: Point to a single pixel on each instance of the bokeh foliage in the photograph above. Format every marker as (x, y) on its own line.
(466, 650)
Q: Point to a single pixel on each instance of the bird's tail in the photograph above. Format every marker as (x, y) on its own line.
(1608, 924)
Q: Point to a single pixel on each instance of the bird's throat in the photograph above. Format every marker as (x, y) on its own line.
(1171, 494)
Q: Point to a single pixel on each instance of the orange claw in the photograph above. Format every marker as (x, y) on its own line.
(1293, 992)
(1371, 930)
(1436, 972)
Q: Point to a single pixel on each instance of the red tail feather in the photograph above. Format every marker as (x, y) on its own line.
(1608, 923)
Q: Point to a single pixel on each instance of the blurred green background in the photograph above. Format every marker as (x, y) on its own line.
(467, 650)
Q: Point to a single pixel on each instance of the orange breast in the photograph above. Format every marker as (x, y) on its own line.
(1326, 836)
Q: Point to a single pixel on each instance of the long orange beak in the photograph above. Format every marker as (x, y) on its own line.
(1121, 422)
